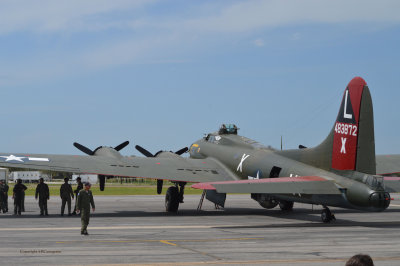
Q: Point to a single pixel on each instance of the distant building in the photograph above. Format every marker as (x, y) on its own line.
(27, 176)
(4, 174)
(85, 178)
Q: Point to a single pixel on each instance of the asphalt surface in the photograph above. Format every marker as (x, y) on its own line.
(136, 230)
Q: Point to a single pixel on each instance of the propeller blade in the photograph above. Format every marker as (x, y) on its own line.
(144, 151)
(121, 146)
(182, 151)
(83, 149)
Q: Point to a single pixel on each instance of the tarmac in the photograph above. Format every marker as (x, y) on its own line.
(136, 230)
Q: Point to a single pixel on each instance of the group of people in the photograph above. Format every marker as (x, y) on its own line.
(82, 194)
(18, 196)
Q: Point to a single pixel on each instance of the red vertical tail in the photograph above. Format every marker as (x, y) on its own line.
(353, 134)
(351, 143)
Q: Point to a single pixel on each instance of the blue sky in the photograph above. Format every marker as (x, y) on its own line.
(163, 73)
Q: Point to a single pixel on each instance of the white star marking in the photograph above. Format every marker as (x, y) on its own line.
(13, 158)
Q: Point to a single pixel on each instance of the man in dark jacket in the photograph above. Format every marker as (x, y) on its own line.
(42, 190)
(5, 196)
(2, 197)
(79, 187)
(65, 195)
(18, 193)
(85, 199)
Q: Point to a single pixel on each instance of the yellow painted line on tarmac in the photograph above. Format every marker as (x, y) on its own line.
(168, 242)
(396, 205)
(114, 227)
(266, 262)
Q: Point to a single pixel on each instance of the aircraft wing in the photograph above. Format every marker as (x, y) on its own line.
(280, 185)
(387, 164)
(175, 169)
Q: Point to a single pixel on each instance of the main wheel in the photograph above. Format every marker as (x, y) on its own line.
(327, 216)
(172, 199)
(286, 205)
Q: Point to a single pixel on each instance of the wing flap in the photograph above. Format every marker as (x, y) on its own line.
(281, 185)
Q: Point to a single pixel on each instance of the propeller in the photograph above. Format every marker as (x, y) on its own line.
(121, 146)
(182, 151)
(102, 178)
(144, 151)
(149, 154)
(91, 153)
(83, 149)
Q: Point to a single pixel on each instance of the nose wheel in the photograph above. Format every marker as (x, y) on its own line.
(327, 216)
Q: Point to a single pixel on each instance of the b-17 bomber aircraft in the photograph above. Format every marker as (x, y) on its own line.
(343, 171)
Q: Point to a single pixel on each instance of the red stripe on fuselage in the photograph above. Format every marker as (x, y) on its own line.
(209, 185)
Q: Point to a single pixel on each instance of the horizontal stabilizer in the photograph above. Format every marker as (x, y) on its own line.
(392, 184)
(388, 164)
(281, 185)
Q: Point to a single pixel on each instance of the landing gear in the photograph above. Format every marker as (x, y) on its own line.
(174, 196)
(172, 199)
(286, 205)
(326, 215)
(181, 191)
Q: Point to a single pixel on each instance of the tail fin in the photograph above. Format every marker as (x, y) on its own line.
(351, 143)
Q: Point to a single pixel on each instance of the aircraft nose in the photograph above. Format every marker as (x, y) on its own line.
(379, 200)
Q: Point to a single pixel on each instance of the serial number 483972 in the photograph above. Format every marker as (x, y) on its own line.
(346, 129)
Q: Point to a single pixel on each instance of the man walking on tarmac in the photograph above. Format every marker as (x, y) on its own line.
(65, 195)
(85, 199)
(42, 190)
(76, 191)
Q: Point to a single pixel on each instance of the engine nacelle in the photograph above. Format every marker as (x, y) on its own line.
(266, 201)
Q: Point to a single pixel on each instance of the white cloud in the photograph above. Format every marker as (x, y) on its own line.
(150, 36)
(51, 16)
(252, 15)
(75, 15)
(259, 42)
(295, 36)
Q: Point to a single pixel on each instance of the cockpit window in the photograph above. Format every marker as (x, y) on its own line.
(228, 129)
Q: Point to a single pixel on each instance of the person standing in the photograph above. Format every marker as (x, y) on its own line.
(85, 199)
(18, 193)
(79, 187)
(42, 190)
(23, 201)
(2, 197)
(5, 198)
(65, 195)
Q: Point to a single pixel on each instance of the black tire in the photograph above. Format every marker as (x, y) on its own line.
(286, 205)
(172, 199)
(326, 216)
